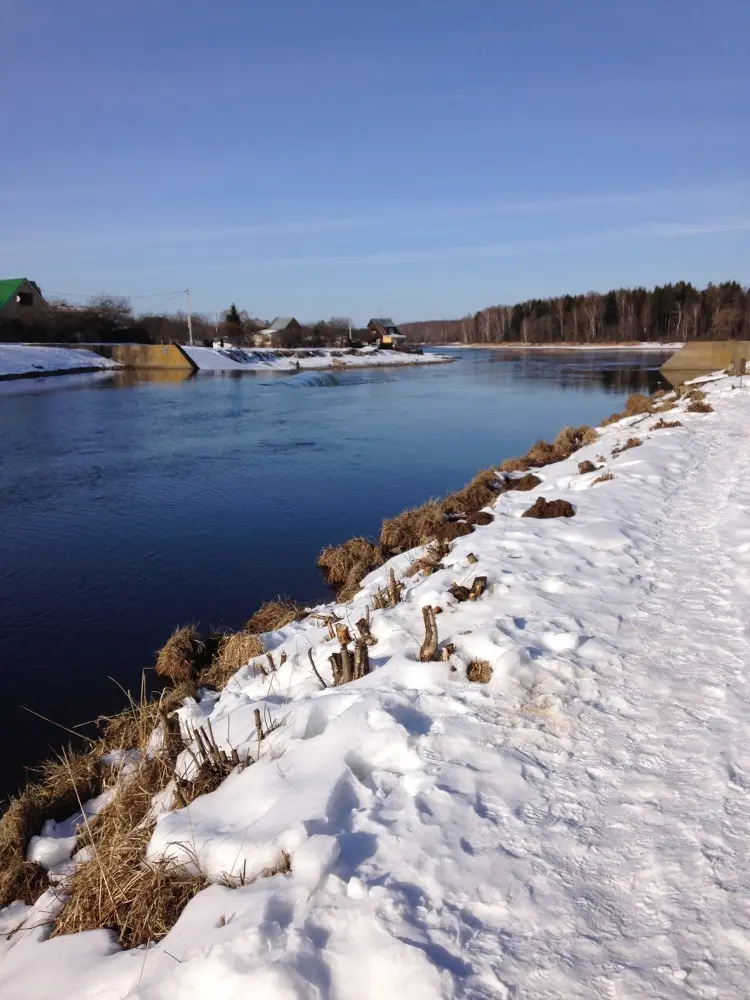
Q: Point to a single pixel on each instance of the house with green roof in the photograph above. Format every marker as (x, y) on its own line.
(21, 299)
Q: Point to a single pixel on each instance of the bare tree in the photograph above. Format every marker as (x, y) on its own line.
(560, 306)
(592, 307)
(111, 310)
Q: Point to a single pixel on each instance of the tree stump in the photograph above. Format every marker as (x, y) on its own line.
(429, 646)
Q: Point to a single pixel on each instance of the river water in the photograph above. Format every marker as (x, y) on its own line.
(130, 505)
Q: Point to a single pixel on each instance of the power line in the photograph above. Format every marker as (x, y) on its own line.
(147, 295)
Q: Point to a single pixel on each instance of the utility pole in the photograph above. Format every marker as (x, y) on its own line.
(189, 317)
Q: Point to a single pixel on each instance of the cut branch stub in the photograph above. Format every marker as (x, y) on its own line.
(342, 634)
(364, 630)
(258, 725)
(361, 659)
(428, 649)
(394, 589)
(478, 587)
(459, 592)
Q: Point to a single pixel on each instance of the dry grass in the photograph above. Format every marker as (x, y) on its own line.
(514, 465)
(659, 393)
(235, 649)
(696, 394)
(428, 562)
(637, 403)
(698, 406)
(412, 527)
(274, 615)
(345, 566)
(633, 442)
(182, 655)
(612, 419)
(115, 888)
(74, 775)
(132, 728)
(479, 671)
(604, 478)
(24, 817)
(585, 467)
(663, 407)
(661, 424)
(569, 440)
(479, 493)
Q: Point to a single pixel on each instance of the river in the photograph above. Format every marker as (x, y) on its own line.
(130, 505)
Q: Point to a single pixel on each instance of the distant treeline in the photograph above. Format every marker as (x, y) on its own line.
(110, 318)
(668, 313)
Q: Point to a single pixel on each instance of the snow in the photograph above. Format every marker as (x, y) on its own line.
(576, 828)
(237, 359)
(22, 359)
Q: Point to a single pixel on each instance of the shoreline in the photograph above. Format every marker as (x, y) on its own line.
(416, 743)
(569, 346)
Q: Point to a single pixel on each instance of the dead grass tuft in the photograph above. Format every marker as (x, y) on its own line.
(604, 478)
(585, 467)
(412, 527)
(514, 465)
(661, 424)
(479, 671)
(698, 406)
(663, 407)
(346, 565)
(24, 816)
(612, 419)
(570, 439)
(637, 403)
(235, 649)
(696, 394)
(74, 775)
(116, 889)
(274, 615)
(429, 561)
(659, 393)
(182, 655)
(540, 453)
(479, 493)
(633, 442)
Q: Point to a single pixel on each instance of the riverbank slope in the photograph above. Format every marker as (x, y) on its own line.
(27, 361)
(574, 824)
(235, 359)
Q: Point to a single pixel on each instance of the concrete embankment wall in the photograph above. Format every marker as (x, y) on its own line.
(164, 356)
(702, 357)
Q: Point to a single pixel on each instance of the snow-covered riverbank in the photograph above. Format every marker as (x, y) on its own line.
(235, 359)
(25, 361)
(576, 827)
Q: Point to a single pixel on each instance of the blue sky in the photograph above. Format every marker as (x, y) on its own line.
(419, 158)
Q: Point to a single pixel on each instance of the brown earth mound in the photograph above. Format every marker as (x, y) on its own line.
(550, 508)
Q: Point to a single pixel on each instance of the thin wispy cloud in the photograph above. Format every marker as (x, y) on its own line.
(654, 231)
(394, 218)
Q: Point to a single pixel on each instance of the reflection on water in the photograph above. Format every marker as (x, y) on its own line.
(133, 377)
(171, 500)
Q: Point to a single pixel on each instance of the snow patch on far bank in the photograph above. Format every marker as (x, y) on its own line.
(230, 359)
(25, 359)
